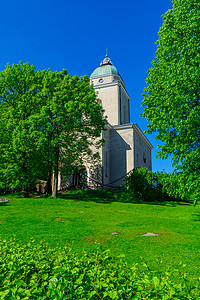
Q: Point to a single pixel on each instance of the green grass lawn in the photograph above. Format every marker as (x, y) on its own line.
(89, 219)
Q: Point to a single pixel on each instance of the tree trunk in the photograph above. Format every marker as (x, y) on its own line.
(25, 187)
(55, 175)
(49, 187)
(25, 192)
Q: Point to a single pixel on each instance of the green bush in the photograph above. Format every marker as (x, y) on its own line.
(35, 271)
(143, 185)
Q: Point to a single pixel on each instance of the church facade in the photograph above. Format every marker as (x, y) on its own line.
(126, 147)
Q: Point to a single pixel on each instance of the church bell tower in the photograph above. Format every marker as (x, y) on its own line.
(112, 92)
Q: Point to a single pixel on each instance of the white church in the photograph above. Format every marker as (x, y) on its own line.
(126, 147)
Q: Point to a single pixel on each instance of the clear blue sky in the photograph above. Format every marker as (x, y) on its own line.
(74, 35)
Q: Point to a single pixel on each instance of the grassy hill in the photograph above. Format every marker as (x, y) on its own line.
(96, 219)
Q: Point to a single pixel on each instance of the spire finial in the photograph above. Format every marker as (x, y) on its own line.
(106, 60)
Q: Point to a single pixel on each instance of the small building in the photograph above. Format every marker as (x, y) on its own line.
(126, 147)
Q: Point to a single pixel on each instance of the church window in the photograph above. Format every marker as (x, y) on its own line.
(144, 158)
(124, 114)
(120, 105)
(106, 164)
(101, 80)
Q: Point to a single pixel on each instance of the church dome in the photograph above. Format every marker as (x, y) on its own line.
(106, 68)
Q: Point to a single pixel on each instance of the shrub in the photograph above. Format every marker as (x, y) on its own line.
(144, 185)
(35, 271)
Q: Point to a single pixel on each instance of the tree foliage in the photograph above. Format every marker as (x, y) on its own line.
(180, 186)
(69, 123)
(172, 98)
(48, 122)
(144, 185)
(20, 162)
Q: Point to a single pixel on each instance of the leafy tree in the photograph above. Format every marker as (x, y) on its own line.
(180, 186)
(20, 161)
(48, 122)
(70, 121)
(172, 98)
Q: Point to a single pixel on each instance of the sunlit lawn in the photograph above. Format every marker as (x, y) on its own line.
(88, 220)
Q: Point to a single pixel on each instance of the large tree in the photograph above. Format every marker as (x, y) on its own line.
(20, 160)
(70, 119)
(48, 122)
(172, 99)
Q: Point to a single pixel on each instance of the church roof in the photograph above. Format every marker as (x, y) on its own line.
(106, 68)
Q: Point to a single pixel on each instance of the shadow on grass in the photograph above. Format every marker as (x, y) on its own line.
(169, 203)
(99, 196)
(106, 197)
(4, 204)
(4, 201)
(109, 196)
(196, 217)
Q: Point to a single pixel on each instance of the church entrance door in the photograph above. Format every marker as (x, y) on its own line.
(80, 178)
